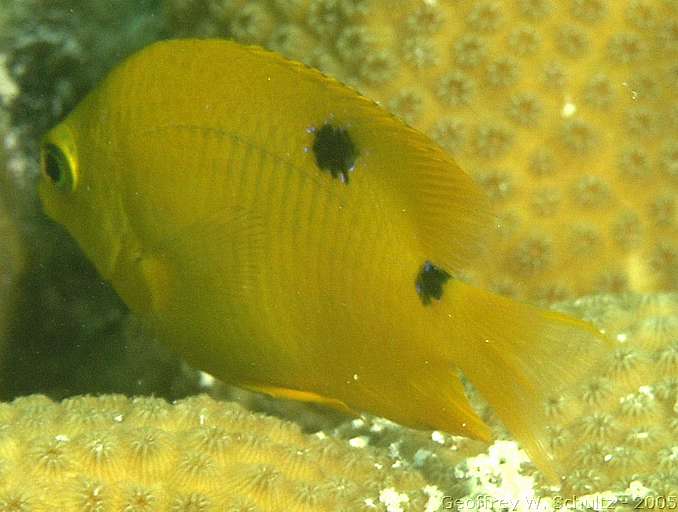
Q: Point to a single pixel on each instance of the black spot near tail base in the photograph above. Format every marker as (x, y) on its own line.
(430, 282)
(335, 151)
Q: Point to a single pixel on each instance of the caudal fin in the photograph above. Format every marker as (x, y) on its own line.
(527, 363)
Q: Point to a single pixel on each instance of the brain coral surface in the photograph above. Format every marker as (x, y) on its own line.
(112, 453)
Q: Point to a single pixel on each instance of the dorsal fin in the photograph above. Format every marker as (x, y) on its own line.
(452, 216)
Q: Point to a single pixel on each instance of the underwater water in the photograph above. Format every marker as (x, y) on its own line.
(564, 115)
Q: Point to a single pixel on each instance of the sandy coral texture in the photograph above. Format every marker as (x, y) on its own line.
(112, 453)
(627, 426)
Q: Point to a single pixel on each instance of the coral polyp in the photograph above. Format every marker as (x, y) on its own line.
(199, 454)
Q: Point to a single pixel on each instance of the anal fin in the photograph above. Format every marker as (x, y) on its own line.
(300, 396)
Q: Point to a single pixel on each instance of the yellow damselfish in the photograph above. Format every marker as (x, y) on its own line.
(288, 235)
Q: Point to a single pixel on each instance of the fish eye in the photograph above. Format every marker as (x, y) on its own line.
(57, 167)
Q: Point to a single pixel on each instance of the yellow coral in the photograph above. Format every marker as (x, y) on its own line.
(114, 453)
(627, 422)
(563, 111)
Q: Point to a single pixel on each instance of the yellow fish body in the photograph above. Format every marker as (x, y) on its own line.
(287, 235)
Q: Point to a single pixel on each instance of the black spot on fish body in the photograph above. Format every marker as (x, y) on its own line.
(429, 282)
(335, 151)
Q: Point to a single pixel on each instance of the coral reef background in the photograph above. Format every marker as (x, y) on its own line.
(114, 453)
(11, 249)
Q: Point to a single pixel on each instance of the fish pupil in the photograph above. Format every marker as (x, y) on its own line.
(335, 151)
(429, 282)
(58, 168)
(53, 164)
